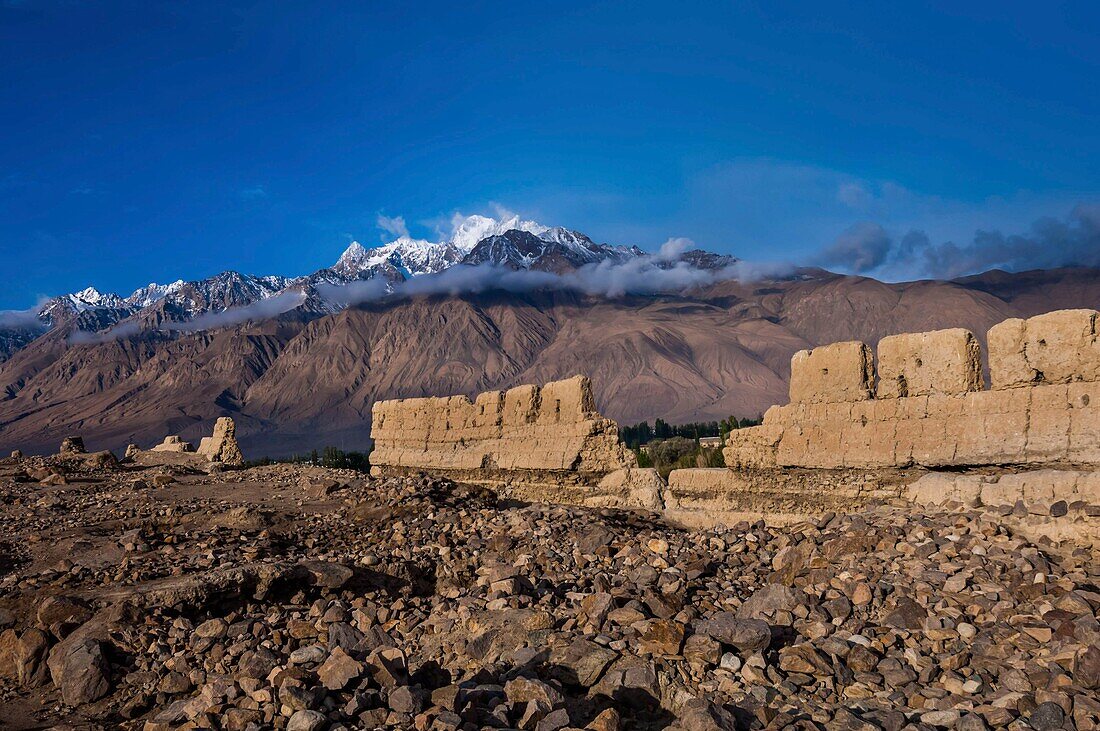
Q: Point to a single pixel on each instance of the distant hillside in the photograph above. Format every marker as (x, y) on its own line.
(303, 379)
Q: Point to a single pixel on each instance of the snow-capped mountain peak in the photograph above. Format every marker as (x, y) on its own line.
(469, 230)
(152, 293)
(507, 241)
(91, 298)
(353, 256)
(409, 256)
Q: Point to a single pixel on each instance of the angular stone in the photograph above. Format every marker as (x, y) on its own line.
(523, 690)
(339, 670)
(307, 721)
(581, 663)
(766, 602)
(408, 699)
(907, 614)
(747, 635)
(1086, 667)
(661, 637)
(86, 674)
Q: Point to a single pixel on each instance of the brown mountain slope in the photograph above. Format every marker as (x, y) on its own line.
(293, 384)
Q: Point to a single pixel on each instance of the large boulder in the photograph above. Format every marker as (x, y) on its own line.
(86, 674)
(769, 601)
(23, 657)
(747, 635)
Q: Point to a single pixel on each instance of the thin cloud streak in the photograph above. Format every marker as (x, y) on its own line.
(22, 319)
(264, 309)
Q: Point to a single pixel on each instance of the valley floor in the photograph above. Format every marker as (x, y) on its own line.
(302, 598)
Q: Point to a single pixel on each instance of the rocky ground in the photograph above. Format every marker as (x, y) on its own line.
(301, 598)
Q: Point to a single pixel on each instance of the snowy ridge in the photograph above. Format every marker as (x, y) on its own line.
(509, 242)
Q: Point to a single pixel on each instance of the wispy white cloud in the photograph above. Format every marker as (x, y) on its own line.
(674, 248)
(21, 319)
(394, 226)
(253, 193)
(647, 275)
(258, 311)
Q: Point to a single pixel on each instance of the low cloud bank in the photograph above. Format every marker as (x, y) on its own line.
(867, 248)
(660, 273)
(263, 309)
(647, 275)
(22, 319)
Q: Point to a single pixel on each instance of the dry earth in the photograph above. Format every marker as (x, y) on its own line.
(302, 598)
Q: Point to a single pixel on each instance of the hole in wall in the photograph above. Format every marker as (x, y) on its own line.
(919, 363)
(1084, 399)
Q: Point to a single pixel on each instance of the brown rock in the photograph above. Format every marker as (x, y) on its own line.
(1086, 667)
(86, 674)
(608, 720)
(747, 635)
(339, 670)
(661, 637)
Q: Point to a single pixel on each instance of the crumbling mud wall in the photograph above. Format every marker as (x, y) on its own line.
(860, 429)
(928, 408)
(916, 426)
(540, 442)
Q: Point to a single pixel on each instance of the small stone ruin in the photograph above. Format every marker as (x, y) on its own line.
(221, 447)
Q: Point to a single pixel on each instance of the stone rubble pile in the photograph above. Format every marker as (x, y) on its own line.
(285, 598)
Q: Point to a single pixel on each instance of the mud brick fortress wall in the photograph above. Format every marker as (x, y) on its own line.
(928, 408)
(914, 425)
(554, 427)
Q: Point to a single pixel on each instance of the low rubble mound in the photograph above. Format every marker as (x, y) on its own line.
(415, 602)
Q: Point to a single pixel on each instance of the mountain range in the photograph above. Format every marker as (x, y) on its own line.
(299, 368)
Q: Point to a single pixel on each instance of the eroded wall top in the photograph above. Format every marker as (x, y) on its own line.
(929, 407)
(837, 372)
(550, 427)
(1057, 347)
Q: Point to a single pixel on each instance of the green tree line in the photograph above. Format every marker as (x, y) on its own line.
(635, 435)
(327, 457)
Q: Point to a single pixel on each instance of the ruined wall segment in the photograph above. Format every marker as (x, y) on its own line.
(920, 364)
(1044, 407)
(837, 372)
(554, 427)
(1055, 347)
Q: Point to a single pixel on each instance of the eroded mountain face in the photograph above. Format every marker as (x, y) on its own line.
(303, 379)
(510, 243)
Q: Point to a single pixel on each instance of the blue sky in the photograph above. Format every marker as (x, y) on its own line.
(149, 141)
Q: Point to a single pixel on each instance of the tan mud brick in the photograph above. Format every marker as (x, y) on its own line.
(832, 373)
(1055, 347)
(915, 364)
